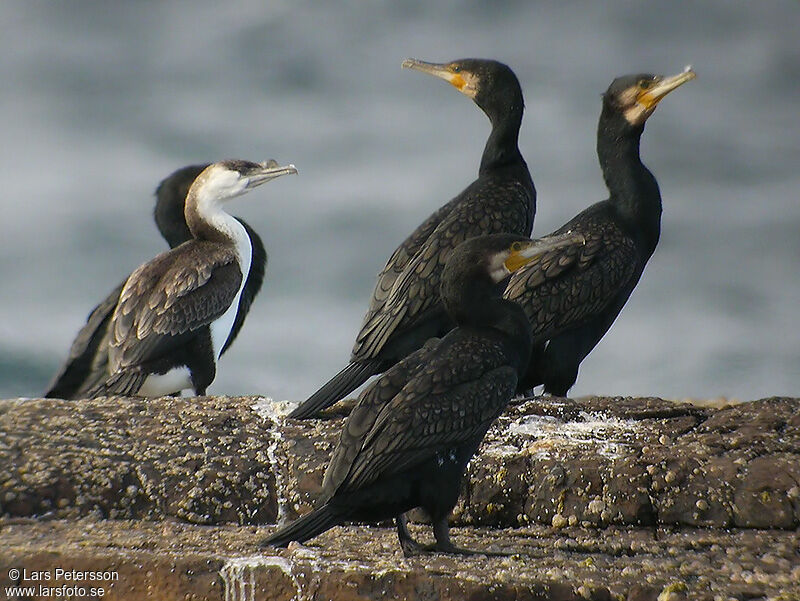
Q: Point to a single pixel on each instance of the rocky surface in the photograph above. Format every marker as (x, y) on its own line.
(589, 462)
(600, 498)
(175, 560)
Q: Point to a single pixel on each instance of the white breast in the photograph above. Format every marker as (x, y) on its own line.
(178, 379)
(221, 327)
(162, 384)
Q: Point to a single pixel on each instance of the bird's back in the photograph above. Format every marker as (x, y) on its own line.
(496, 202)
(442, 397)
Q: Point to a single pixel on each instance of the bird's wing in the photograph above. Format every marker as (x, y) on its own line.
(567, 286)
(415, 291)
(366, 411)
(168, 298)
(81, 361)
(415, 427)
(399, 261)
(451, 399)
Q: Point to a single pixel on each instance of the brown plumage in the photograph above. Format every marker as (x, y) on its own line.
(177, 312)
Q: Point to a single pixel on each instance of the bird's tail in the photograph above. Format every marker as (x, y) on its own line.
(343, 383)
(308, 526)
(126, 382)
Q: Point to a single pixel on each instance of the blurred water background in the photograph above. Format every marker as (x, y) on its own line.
(100, 100)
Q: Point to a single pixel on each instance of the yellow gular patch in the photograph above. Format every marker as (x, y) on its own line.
(457, 81)
(647, 100)
(515, 260)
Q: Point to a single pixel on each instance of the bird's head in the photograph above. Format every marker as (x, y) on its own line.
(231, 178)
(491, 84)
(635, 97)
(476, 267)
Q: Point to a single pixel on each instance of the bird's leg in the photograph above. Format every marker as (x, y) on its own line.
(409, 545)
(441, 531)
(201, 363)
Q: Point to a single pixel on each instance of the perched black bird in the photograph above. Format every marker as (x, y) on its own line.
(409, 438)
(405, 309)
(572, 297)
(178, 312)
(86, 365)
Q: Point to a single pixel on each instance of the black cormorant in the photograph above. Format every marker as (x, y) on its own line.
(409, 438)
(86, 365)
(572, 296)
(178, 311)
(405, 310)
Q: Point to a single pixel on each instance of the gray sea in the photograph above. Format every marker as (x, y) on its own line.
(100, 100)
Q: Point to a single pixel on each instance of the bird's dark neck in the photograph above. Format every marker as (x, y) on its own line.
(502, 147)
(171, 222)
(170, 198)
(480, 305)
(634, 189)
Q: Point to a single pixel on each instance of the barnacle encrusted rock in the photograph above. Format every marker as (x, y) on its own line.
(172, 560)
(599, 498)
(593, 462)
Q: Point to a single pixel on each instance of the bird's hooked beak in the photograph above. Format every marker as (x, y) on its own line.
(267, 171)
(522, 253)
(650, 97)
(464, 81)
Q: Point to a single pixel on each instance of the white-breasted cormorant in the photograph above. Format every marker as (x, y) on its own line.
(408, 440)
(178, 311)
(572, 296)
(86, 365)
(405, 309)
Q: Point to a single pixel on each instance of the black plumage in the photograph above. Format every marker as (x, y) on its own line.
(572, 296)
(178, 312)
(409, 438)
(86, 365)
(405, 309)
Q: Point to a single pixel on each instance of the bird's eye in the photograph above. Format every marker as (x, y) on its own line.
(456, 69)
(517, 246)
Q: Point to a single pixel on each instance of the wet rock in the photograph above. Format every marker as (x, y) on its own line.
(175, 560)
(591, 462)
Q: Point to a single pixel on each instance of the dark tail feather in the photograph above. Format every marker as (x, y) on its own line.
(308, 526)
(343, 383)
(122, 383)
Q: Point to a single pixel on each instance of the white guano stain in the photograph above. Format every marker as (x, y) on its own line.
(239, 579)
(274, 411)
(607, 436)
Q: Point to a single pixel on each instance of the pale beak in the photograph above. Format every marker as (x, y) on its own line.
(519, 258)
(269, 170)
(650, 98)
(440, 70)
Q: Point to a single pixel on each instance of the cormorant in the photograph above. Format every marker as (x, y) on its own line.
(409, 438)
(86, 365)
(405, 309)
(572, 297)
(177, 312)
